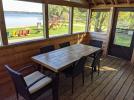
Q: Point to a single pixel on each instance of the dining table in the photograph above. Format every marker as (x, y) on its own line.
(60, 59)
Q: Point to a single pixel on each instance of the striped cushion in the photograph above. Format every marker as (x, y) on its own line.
(40, 84)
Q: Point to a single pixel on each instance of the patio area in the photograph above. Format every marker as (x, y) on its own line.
(115, 82)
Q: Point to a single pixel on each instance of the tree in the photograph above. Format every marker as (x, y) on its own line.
(99, 21)
(58, 11)
(57, 16)
(131, 20)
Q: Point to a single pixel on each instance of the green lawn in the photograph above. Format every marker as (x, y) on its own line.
(123, 39)
(35, 34)
(120, 39)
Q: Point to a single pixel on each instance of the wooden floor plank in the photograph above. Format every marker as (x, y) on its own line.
(116, 81)
(117, 73)
(125, 87)
(111, 85)
(112, 95)
(80, 88)
(96, 83)
(130, 93)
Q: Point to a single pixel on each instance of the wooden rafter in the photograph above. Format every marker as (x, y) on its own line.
(109, 6)
(94, 2)
(116, 1)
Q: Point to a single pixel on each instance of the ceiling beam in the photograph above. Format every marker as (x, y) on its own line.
(109, 6)
(61, 2)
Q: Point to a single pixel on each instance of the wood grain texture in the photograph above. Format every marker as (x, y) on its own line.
(115, 74)
(17, 55)
(58, 60)
(2, 25)
(61, 2)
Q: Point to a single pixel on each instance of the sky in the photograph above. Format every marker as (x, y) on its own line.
(14, 5)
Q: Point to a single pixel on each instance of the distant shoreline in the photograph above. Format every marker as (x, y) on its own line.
(15, 19)
(21, 12)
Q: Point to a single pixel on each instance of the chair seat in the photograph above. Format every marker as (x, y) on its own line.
(40, 84)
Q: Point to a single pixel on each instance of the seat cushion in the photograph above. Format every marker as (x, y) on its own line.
(34, 77)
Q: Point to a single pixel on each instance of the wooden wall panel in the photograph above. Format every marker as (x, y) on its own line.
(20, 54)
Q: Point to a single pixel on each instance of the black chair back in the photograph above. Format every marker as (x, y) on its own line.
(65, 44)
(47, 49)
(97, 58)
(19, 82)
(79, 66)
(96, 43)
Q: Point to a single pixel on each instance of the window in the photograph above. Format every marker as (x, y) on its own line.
(99, 21)
(79, 20)
(58, 20)
(24, 20)
(124, 28)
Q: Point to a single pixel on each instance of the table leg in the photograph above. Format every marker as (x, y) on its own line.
(94, 67)
(56, 87)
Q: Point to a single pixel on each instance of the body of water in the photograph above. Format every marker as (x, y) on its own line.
(22, 19)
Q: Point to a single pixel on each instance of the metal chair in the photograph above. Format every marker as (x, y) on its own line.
(75, 70)
(31, 86)
(65, 44)
(47, 49)
(96, 43)
(96, 62)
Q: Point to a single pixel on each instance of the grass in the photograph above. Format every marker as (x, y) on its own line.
(35, 34)
(123, 39)
(120, 39)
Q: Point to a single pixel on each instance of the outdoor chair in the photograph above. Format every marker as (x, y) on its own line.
(65, 44)
(47, 49)
(30, 87)
(76, 69)
(96, 43)
(96, 62)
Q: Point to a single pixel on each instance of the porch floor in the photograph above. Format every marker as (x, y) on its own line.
(115, 82)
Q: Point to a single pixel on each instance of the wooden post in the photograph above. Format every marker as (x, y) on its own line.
(109, 31)
(132, 44)
(88, 19)
(132, 59)
(90, 15)
(46, 20)
(3, 25)
(71, 14)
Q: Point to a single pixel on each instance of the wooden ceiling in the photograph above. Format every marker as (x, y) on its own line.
(105, 3)
(89, 3)
(109, 2)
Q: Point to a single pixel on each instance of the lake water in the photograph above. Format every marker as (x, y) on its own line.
(22, 19)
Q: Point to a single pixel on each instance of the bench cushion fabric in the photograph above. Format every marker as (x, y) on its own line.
(34, 77)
